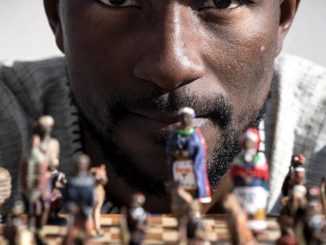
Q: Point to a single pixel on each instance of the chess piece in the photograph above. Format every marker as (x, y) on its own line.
(186, 150)
(100, 177)
(50, 147)
(237, 221)
(314, 228)
(323, 194)
(250, 175)
(296, 161)
(291, 218)
(5, 186)
(35, 184)
(137, 219)
(79, 200)
(15, 231)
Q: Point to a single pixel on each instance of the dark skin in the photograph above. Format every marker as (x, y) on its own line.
(170, 48)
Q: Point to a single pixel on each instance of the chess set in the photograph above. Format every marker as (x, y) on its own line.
(162, 229)
(38, 218)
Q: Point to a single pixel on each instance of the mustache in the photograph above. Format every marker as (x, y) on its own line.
(217, 108)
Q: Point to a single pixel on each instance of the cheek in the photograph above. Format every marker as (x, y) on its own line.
(242, 60)
(96, 51)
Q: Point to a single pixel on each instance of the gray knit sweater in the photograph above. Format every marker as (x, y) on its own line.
(294, 121)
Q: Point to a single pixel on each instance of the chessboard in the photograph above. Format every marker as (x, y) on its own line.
(163, 230)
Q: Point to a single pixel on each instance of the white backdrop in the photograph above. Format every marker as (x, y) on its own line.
(25, 35)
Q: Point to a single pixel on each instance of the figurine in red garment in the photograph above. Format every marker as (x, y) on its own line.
(250, 174)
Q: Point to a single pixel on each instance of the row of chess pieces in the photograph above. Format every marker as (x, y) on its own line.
(46, 190)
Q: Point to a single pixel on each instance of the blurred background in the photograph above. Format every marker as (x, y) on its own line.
(25, 34)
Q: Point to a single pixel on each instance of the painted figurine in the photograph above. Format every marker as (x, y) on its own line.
(250, 174)
(5, 185)
(297, 161)
(100, 178)
(137, 219)
(79, 198)
(186, 150)
(294, 205)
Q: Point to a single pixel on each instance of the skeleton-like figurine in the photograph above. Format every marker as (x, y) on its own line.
(50, 147)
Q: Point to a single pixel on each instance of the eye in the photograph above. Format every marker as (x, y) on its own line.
(222, 4)
(120, 3)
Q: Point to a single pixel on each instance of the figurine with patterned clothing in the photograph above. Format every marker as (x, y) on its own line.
(250, 175)
(186, 150)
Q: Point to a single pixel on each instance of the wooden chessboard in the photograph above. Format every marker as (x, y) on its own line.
(163, 230)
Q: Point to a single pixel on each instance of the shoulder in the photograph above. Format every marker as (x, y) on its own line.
(307, 88)
(31, 82)
(305, 74)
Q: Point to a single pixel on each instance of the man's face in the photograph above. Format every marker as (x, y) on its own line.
(133, 64)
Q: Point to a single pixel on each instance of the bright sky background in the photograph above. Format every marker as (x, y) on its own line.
(25, 34)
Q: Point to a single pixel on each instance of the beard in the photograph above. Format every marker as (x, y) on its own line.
(217, 109)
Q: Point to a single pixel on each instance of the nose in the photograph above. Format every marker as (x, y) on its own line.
(171, 56)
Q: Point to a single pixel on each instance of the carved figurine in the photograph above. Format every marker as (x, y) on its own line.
(5, 185)
(15, 231)
(100, 177)
(314, 228)
(250, 174)
(79, 198)
(35, 185)
(323, 194)
(136, 219)
(297, 161)
(50, 147)
(186, 151)
(292, 215)
(237, 221)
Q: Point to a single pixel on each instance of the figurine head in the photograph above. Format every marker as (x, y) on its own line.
(18, 208)
(299, 176)
(298, 160)
(186, 116)
(99, 174)
(45, 125)
(138, 200)
(250, 139)
(82, 162)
